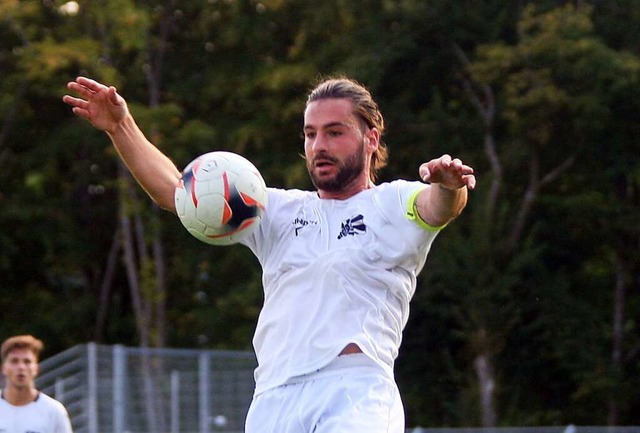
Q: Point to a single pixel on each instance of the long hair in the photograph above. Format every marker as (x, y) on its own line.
(364, 107)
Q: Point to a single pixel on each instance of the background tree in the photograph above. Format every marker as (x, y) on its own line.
(541, 111)
(541, 101)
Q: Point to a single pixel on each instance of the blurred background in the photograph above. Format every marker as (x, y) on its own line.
(528, 308)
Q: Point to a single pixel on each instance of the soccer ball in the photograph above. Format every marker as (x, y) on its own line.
(221, 198)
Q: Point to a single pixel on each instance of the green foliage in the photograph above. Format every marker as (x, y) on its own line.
(557, 90)
(233, 75)
(43, 60)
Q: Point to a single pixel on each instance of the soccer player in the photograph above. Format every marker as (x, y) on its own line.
(22, 407)
(339, 263)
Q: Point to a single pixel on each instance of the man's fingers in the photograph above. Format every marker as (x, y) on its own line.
(76, 102)
(81, 112)
(83, 91)
(424, 172)
(448, 171)
(90, 84)
(456, 163)
(469, 180)
(113, 96)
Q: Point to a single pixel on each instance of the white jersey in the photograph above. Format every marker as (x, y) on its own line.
(335, 272)
(44, 415)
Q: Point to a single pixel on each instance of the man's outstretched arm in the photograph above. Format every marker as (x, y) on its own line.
(106, 110)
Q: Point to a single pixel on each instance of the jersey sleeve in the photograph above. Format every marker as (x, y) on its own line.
(64, 424)
(62, 420)
(413, 214)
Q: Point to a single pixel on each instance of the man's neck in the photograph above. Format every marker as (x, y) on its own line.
(347, 192)
(19, 396)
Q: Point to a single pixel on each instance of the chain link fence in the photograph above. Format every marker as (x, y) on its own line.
(139, 390)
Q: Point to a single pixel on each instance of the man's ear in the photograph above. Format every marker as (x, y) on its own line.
(373, 138)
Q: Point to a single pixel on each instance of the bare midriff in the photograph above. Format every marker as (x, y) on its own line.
(350, 349)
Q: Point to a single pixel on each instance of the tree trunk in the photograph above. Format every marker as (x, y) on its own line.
(623, 277)
(106, 286)
(486, 388)
(130, 259)
(483, 99)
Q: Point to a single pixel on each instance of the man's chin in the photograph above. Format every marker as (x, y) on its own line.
(324, 181)
(328, 187)
(335, 178)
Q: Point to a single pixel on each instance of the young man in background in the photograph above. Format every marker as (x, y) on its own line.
(24, 409)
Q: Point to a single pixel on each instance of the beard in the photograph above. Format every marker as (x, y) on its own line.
(348, 171)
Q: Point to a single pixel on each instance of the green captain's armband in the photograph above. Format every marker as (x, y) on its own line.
(413, 215)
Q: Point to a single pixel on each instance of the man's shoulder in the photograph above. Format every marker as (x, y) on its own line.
(57, 410)
(290, 192)
(280, 196)
(398, 188)
(46, 400)
(4, 404)
(399, 184)
(42, 404)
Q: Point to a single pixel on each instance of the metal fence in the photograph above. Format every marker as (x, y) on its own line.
(134, 390)
(551, 429)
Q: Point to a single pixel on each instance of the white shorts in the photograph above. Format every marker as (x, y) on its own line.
(352, 394)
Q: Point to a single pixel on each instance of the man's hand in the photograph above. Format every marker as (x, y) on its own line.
(107, 110)
(447, 196)
(448, 173)
(99, 104)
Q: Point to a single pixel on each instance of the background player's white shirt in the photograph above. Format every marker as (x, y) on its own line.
(335, 272)
(44, 415)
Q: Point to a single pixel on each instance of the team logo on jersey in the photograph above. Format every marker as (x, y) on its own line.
(353, 226)
(300, 223)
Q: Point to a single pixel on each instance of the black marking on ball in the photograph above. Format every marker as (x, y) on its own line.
(240, 211)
